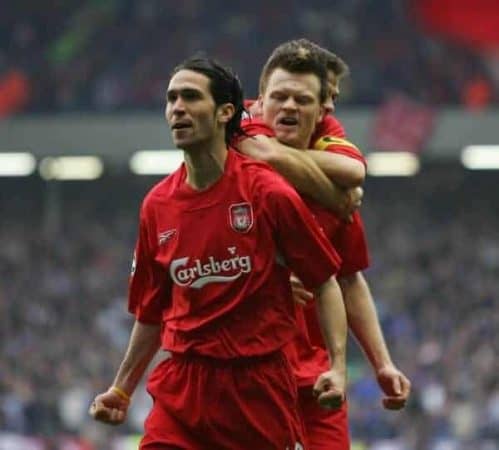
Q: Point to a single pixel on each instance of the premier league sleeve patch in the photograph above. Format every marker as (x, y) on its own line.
(241, 217)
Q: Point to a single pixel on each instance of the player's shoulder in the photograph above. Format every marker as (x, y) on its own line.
(258, 174)
(251, 167)
(248, 103)
(331, 126)
(254, 125)
(333, 121)
(163, 190)
(332, 138)
(357, 220)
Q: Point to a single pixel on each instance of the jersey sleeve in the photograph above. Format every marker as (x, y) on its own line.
(248, 103)
(331, 126)
(330, 136)
(251, 127)
(254, 126)
(340, 146)
(351, 243)
(301, 242)
(148, 286)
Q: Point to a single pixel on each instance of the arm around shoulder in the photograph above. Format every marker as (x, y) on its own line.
(297, 167)
(342, 169)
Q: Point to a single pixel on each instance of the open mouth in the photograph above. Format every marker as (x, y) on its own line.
(181, 125)
(288, 121)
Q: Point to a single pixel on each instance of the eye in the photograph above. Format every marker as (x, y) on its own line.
(171, 97)
(279, 96)
(304, 100)
(190, 95)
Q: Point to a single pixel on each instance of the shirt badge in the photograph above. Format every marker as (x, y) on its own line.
(241, 217)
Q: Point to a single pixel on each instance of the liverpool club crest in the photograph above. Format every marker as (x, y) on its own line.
(241, 217)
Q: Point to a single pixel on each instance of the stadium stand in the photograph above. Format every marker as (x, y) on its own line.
(434, 276)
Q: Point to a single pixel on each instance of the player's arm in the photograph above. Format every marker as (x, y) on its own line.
(330, 386)
(364, 323)
(147, 291)
(339, 159)
(111, 406)
(300, 170)
(341, 169)
(315, 261)
(143, 344)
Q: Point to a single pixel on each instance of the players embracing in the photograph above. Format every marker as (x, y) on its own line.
(293, 111)
(218, 240)
(210, 284)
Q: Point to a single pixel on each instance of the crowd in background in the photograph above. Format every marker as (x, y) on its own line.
(65, 250)
(116, 55)
(65, 258)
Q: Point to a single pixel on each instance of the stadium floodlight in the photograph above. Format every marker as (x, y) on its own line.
(156, 162)
(480, 157)
(16, 164)
(71, 168)
(392, 164)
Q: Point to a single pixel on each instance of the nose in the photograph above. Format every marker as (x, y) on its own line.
(289, 103)
(329, 107)
(177, 107)
(173, 109)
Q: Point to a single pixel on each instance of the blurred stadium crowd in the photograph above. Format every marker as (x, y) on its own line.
(65, 249)
(435, 265)
(116, 55)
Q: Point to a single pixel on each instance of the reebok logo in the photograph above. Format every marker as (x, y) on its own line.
(197, 273)
(166, 236)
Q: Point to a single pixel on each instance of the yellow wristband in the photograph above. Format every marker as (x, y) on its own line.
(121, 393)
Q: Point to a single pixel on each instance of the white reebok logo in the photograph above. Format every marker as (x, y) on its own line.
(166, 236)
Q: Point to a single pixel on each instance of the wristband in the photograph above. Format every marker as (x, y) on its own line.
(120, 393)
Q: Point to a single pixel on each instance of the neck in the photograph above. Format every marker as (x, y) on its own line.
(300, 145)
(205, 164)
(303, 144)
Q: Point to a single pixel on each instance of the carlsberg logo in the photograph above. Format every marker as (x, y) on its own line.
(198, 273)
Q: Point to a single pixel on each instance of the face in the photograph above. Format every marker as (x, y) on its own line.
(333, 83)
(291, 106)
(190, 109)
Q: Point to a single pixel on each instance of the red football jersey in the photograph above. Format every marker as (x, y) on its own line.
(330, 135)
(348, 238)
(330, 126)
(212, 266)
(248, 103)
(307, 352)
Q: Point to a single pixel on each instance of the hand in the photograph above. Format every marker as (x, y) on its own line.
(395, 385)
(109, 408)
(352, 201)
(300, 294)
(330, 389)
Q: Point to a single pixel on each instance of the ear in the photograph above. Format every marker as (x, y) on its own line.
(322, 114)
(259, 102)
(256, 109)
(225, 112)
